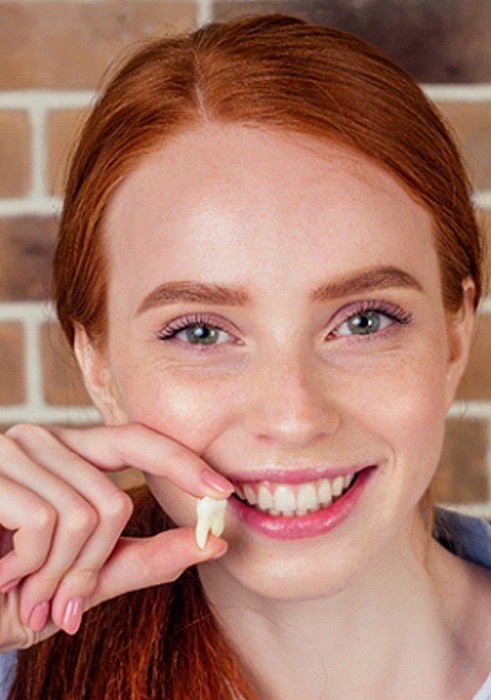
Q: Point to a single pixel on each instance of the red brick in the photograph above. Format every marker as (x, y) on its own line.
(471, 123)
(62, 382)
(12, 380)
(63, 125)
(462, 474)
(70, 44)
(27, 244)
(484, 218)
(14, 153)
(476, 382)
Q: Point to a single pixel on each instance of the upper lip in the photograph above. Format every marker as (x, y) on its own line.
(294, 476)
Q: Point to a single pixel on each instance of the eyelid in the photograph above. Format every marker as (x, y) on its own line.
(386, 308)
(171, 328)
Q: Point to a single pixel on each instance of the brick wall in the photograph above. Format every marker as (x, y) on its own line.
(52, 55)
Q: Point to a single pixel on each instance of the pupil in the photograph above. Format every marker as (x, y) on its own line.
(365, 323)
(202, 334)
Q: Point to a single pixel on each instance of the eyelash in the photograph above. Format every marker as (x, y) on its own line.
(391, 311)
(174, 327)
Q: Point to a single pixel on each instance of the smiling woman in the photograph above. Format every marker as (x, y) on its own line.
(268, 267)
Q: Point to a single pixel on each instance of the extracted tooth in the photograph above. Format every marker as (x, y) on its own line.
(211, 518)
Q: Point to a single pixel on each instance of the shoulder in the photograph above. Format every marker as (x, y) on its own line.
(466, 536)
(7, 672)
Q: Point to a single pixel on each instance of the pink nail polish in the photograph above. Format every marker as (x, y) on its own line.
(39, 616)
(72, 616)
(216, 481)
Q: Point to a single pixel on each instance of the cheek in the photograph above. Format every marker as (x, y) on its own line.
(191, 410)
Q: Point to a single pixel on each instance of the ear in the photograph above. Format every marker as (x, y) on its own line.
(460, 326)
(92, 360)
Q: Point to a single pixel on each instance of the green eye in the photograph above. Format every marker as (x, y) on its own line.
(202, 334)
(364, 323)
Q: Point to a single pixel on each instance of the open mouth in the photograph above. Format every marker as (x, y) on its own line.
(294, 500)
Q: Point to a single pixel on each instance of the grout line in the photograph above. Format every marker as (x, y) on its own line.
(205, 12)
(470, 409)
(480, 92)
(37, 206)
(46, 99)
(27, 311)
(72, 415)
(32, 365)
(38, 152)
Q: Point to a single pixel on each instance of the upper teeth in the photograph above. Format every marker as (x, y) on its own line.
(289, 500)
(211, 518)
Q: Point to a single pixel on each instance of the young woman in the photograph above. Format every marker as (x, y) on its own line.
(268, 267)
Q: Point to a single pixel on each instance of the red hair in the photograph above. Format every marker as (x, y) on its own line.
(271, 72)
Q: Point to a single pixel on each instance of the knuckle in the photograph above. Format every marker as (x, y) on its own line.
(27, 432)
(81, 518)
(118, 507)
(42, 518)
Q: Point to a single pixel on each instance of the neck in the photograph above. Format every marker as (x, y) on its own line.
(362, 641)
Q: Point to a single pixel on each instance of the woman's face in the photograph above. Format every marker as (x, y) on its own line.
(275, 305)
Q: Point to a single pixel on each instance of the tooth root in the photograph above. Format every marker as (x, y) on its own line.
(202, 531)
(211, 518)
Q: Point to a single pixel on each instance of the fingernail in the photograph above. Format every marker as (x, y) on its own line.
(39, 616)
(72, 616)
(216, 481)
(10, 585)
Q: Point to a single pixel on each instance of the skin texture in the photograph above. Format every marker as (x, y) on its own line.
(289, 386)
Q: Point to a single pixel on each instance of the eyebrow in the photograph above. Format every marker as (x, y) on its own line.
(382, 277)
(174, 292)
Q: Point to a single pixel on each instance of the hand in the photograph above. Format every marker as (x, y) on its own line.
(61, 547)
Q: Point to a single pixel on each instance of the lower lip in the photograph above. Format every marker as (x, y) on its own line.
(281, 527)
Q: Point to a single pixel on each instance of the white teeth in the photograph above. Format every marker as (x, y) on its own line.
(265, 498)
(348, 479)
(290, 500)
(250, 495)
(325, 492)
(307, 498)
(211, 518)
(284, 500)
(337, 486)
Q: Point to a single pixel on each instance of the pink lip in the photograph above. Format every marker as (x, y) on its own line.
(280, 527)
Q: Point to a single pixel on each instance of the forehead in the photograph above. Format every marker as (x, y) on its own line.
(260, 200)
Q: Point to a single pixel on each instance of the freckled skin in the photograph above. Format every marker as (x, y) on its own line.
(280, 215)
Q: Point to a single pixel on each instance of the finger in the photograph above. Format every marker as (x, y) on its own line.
(33, 520)
(113, 448)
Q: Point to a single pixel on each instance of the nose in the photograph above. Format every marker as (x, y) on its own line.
(291, 405)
